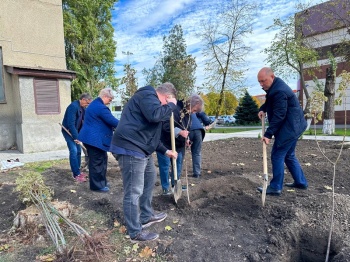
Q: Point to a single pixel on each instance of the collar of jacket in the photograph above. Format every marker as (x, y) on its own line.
(272, 85)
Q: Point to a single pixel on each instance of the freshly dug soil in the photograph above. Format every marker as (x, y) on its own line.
(225, 220)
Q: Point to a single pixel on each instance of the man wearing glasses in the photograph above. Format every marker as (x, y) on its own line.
(72, 123)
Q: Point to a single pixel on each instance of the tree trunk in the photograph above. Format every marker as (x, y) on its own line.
(307, 96)
(329, 92)
(32, 218)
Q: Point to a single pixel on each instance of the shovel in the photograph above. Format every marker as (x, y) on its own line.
(80, 143)
(177, 183)
(265, 176)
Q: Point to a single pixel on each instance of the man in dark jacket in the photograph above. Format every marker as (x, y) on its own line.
(73, 122)
(286, 124)
(137, 136)
(181, 133)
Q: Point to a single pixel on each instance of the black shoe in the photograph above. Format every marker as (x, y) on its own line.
(196, 176)
(102, 190)
(300, 186)
(270, 191)
(154, 219)
(144, 236)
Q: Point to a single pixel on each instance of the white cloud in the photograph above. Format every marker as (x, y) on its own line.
(141, 24)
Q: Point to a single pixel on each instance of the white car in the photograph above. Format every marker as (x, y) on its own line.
(228, 119)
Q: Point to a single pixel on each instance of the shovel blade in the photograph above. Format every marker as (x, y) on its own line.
(177, 190)
(264, 187)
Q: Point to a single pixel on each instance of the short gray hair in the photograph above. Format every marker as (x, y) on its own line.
(194, 100)
(166, 88)
(106, 92)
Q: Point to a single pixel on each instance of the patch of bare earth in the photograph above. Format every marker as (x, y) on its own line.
(225, 220)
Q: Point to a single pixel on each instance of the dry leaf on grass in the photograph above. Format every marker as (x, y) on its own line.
(46, 258)
(122, 230)
(328, 187)
(168, 228)
(146, 252)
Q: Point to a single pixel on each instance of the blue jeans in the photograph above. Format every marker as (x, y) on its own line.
(74, 154)
(196, 151)
(164, 164)
(139, 175)
(281, 155)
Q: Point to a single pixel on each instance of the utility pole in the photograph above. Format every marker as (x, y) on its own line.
(128, 54)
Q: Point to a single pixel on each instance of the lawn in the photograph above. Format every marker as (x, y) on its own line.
(338, 132)
(230, 130)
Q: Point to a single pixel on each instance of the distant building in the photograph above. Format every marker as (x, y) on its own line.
(325, 26)
(35, 86)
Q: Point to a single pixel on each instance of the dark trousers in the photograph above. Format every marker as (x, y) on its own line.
(97, 167)
(286, 154)
(196, 138)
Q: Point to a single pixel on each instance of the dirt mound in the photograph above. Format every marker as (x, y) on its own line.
(225, 220)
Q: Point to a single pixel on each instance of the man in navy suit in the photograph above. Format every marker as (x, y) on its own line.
(286, 124)
(73, 122)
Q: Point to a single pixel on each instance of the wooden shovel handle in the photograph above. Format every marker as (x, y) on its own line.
(173, 148)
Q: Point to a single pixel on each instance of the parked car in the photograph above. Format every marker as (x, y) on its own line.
(220, 121)
(228, 119)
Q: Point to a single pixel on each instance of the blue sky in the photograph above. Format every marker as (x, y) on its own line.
(141, 24)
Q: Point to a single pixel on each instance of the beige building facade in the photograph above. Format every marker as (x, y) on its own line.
(34, 83)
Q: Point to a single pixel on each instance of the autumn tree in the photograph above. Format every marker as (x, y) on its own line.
(174, 64)
(289, 52)
(224, 46)
(90, 48)
(228, 106)
(257, 101)
(130, 82)
(247, 110)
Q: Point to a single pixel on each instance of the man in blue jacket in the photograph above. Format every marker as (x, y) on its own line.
(73, 122)
(286, 124)
(195, 106)
(137, 136)
(96, 135)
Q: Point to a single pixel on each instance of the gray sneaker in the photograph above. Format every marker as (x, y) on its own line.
(144, 236)
(166, 192)
(154, 219)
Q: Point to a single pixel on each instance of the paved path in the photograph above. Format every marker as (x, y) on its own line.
(63, 154)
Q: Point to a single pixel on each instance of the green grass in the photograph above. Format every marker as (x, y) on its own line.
(230, 130)
(338, 132)
(42, 166)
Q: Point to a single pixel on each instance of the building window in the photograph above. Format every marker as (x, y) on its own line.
(2, 89)
(47, 99)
